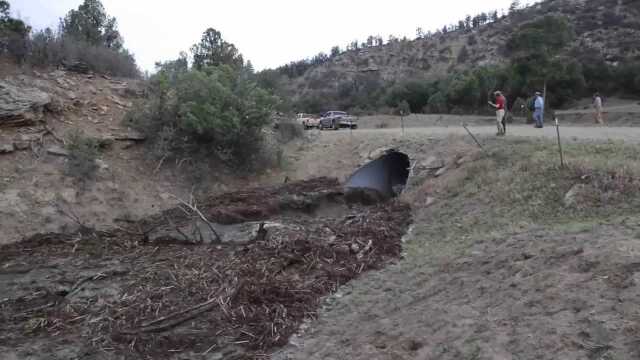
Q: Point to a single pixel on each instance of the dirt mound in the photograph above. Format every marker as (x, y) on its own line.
(120, 293)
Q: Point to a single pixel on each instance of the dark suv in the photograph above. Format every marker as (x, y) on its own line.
(337, 119)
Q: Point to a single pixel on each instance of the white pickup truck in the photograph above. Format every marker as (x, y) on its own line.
(308, 121)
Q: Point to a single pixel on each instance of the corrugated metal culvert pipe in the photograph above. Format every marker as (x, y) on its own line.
(380, 179)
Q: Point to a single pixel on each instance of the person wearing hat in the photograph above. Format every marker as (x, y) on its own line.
(538, 105)
(500, 106)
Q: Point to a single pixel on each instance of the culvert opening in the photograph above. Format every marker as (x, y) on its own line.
(380, 179)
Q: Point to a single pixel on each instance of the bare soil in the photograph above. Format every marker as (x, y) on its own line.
(117, 293)
(535, 295)
(497, 265)
(486, 270)
(35, 191)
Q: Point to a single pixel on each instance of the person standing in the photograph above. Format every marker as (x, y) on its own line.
(597, 105)
(500, 106)
(538, 110)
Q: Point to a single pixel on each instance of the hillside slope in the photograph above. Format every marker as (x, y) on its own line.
(606, 32)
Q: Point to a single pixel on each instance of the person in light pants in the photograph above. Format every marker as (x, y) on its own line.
(538, 110)
(500, 106)
(597, 105)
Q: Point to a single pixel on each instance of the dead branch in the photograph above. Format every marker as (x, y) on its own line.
(155, 171)
(49, 131)
(180, 317)
(195, 209)
(70, 214)
(176, 228)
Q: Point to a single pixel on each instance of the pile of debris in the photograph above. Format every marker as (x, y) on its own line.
(124, 292)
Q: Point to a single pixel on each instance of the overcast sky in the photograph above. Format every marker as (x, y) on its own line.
(267, 32)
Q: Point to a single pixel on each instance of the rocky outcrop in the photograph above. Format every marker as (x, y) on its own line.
(19, 105)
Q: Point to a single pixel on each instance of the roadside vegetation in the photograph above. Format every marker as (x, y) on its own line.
(87, 39)
(212, 110)
(524, 188)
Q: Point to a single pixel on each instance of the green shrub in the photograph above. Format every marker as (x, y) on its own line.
(437, 103)
(14, 34)
(215, 112)
(463, 55)
(83, 153)
(51, 49)
(289, 130)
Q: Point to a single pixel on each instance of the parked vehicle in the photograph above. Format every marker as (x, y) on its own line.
(307, 120)
(336, 120)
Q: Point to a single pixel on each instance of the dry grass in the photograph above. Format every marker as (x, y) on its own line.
(518, 184)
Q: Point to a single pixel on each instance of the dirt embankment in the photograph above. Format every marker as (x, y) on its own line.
(37, 193)
(504, 261)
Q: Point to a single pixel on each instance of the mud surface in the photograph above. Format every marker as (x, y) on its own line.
(536, 295)
(119, 294)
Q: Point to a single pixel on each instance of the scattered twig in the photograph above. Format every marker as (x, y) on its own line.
(49, 131)
(176, 228)
(155, 171)
(192, 206)
(70, 214)
(180, 317)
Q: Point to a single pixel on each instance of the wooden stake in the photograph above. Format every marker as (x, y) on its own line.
(559, 143)
(473, 137)
(544, 99)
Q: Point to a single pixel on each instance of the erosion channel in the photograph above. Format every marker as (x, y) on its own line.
(232, 276)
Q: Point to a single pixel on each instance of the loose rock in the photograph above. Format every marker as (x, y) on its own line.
(571, 198)
(440, 172)
(432, 163)
(21, 145)
(7, 148)
(17, 101)
(377, 153)
(58, 151)
(130, 136)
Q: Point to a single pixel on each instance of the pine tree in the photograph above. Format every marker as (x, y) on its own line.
(467, 22)
(90, 23)
(214, 51)
(515, 5)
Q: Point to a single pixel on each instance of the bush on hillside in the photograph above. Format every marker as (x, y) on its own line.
(437, 104)
(83, 153)
(463, 55)
(217, 112)
(628, 74)
(87, 35)
(415, 93)
(14, 34)
(49, 49)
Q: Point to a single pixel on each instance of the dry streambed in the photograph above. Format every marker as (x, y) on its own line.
(163, 287)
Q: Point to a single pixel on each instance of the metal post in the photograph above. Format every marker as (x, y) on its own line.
(559, 143)
(402, 121)
(473, 137)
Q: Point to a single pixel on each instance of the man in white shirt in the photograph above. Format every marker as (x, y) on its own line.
(597, 105)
